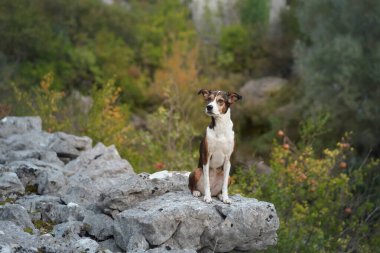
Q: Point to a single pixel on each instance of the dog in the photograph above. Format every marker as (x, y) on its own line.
(212, 178)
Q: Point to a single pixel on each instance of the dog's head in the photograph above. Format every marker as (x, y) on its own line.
(218, 102)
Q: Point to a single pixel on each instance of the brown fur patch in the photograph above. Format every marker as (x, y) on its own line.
(222, 103)
(233, 97)
(203, 153)
(194, 178)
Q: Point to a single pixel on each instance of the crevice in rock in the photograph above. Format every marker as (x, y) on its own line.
(97, 156)
(66, 155)
(222, 215)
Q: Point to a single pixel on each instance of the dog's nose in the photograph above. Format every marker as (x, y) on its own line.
(209, 108)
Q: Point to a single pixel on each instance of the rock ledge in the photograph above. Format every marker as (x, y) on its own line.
(60, 194)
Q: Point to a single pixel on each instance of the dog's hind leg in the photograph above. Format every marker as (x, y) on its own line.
(194, 179)
(197, 193)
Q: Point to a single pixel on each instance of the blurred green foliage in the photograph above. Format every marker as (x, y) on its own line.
(338, 63)
(317, 198)
(254, 13)
(86, 43)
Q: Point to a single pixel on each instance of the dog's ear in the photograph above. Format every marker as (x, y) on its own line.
(205, 93)
(233, 97)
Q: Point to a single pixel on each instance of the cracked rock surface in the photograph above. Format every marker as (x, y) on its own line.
(179, 221)
(58, 193)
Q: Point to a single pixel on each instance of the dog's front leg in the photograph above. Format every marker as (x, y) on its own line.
(206, 177)
(226, 170)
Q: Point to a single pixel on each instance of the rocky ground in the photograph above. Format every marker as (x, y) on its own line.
(58, 193)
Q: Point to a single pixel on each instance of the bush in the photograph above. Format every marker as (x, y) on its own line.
(317, 198)
(167, 142)
(106, 120)
(338, 65)
(42, 101)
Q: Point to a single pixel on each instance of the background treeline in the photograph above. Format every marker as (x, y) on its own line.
(127, 74)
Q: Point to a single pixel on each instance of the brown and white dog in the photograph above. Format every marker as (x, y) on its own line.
(212, 178)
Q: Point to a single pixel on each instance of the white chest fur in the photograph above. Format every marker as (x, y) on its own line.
(220, 140)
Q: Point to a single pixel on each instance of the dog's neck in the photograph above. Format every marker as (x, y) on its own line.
(221, 124)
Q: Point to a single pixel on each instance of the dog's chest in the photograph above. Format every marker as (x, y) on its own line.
(220, 145)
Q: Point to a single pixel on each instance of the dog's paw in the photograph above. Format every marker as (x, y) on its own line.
(224, 199)
(207, 199)
(196, 193)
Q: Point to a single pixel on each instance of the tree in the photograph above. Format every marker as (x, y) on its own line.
(339, 65)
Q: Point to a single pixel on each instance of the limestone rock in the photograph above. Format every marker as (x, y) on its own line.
(181, 221)
(10, 183)
(49, 244)
(48, 178)
(58, 213)
(140, 187)
(13, 238)
(32, 140)
(93, 173)
(25, 155)
(97, 203)
(110, 244)
(33, 203)
(69, 146)
(257, 92)
(86, 245)
(70, 229)
(17, 214)
(99, 225)
(18, 125)
(98, 162)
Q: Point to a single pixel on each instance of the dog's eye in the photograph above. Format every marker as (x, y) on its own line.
(220, 101)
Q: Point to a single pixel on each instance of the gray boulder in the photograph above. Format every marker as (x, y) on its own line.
(70, 229)
(110, 245)
(48, 178)
(32, 204)
(80, 188)
(69, 146)
(137, 188)
(18, 125)
(98, 162)
(258, 92)
(25, 134)
(32, 140)
(10, 183)
(86, 245)
(14, 239)
(181, 221)
(17, 214)
(93, 173)
(58, 213)
(25, 155)
(82, 191)
(99, 225)
(49, 244)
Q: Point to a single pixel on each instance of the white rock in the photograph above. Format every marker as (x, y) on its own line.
(86, 245)
(161, 175)
(72, 204)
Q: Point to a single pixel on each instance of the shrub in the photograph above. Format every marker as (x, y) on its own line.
(42, 101)
(106, 121)
(316, 198)
(167, 143)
